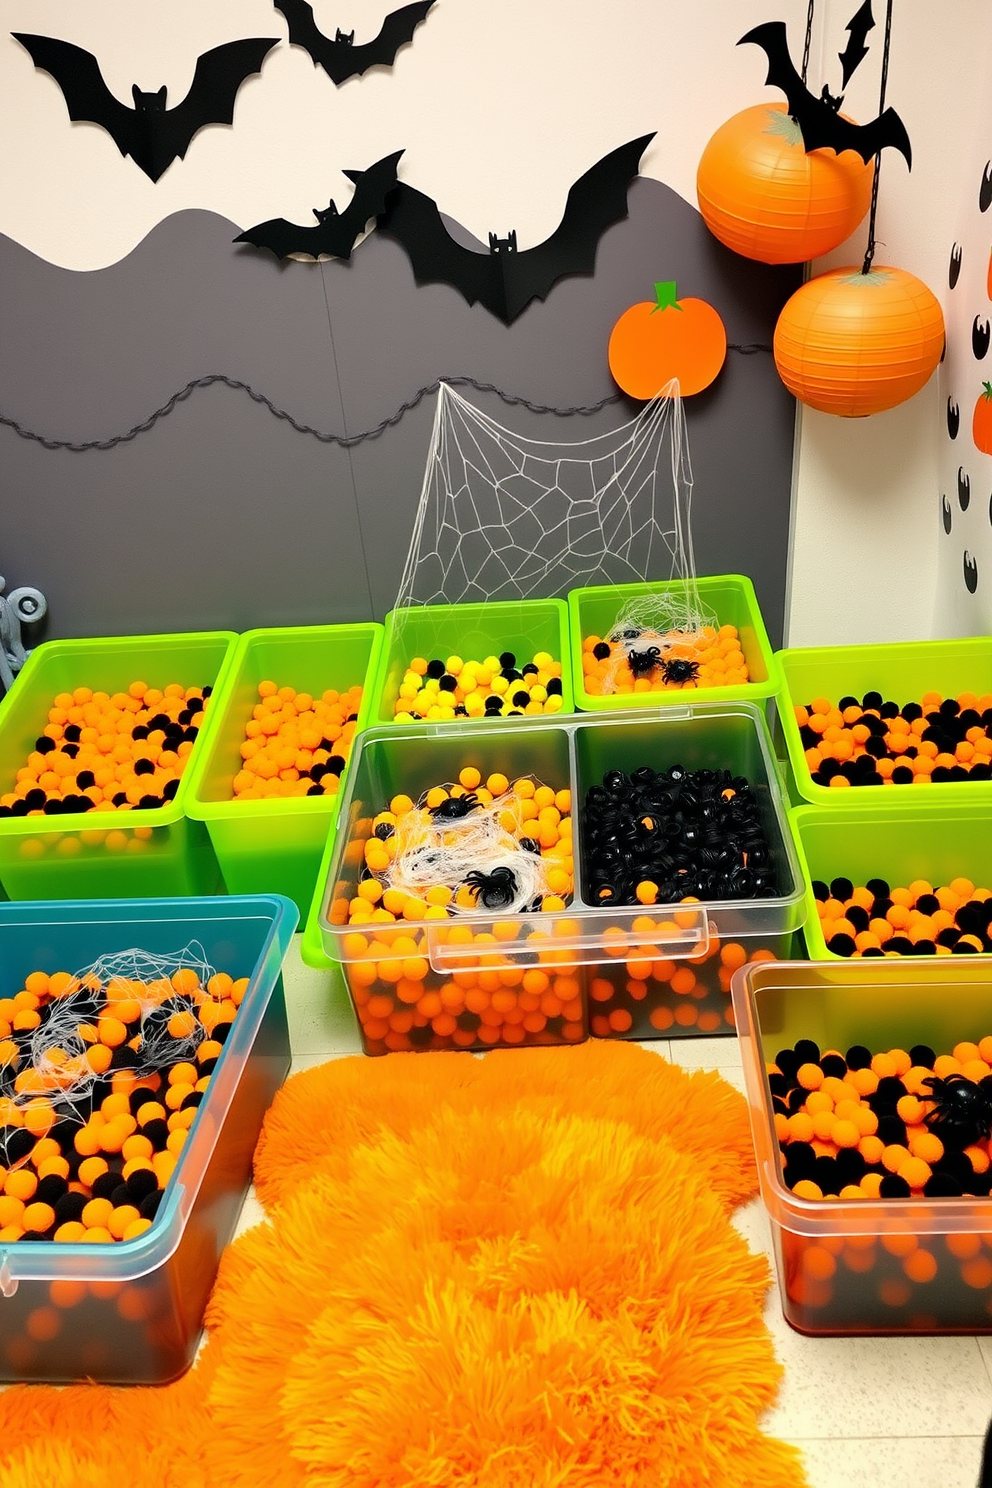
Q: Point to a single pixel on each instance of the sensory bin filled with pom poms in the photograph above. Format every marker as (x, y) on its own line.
(487, 847)
(101, 753)
(296, 744)
(497, 687)
(644, 661)
(875, 741)
(101, 1077)
(875, 919)
(899, 1124)
(672, 837)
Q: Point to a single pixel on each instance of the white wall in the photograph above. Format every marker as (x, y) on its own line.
(866, 498)
(499, 108)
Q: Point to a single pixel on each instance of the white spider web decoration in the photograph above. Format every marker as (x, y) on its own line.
(502, 517)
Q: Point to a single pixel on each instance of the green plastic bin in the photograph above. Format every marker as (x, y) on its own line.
(275, 846)
(137, 854)
(732, 599)
(902, 673)
(473, 631)
(900, 843)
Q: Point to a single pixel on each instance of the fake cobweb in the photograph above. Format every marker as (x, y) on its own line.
(483, 850)
(167, 1030)
(502, 517)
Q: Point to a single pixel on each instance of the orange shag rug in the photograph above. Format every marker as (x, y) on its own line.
(509, 1272)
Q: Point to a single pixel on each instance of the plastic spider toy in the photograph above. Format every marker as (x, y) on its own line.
(643, 663)
(455, 807)
(496, 890)
(679, 669)
(962, 1111)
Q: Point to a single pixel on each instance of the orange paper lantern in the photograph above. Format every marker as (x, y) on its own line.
(764, 197)
(656, 341)
(852, 344)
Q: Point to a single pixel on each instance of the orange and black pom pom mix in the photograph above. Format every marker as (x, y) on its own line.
(918, 920)
(99, 752)
(899, 1124)
(640, 995)
(710, 658)
(401, 1002)
(93, 1125)
(877, 742)
(296, 744)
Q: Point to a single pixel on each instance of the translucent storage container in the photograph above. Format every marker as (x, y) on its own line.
(847, 1267)
(472, 631)
(618, 964)
(275, 846)
(902, 674)
(732, 599)
(901, 842)
(132, 1312)
(129, 854)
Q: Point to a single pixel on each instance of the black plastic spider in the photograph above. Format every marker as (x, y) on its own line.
(642, 663)
(678, 669)
(962, 1112)
(496, 890)
(455, 807)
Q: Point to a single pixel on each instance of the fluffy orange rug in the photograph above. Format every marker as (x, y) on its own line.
(509, 1272)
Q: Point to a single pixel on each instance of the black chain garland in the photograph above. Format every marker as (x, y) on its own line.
(344, 441)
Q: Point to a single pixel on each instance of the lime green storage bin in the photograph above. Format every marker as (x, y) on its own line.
(900, 842)
(274, 847)
(134, 854)
(732, 599)
(901, 673)
(472, 631)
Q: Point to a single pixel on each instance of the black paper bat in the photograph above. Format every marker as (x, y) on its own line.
(340, 58)
(505, 280)
(818, 118)
(337, 231)
(855, 52)
(153, 135)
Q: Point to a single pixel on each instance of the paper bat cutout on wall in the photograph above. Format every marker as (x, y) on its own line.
(505, 279)
(153, 135)
(855, 52)
(819, 121)
(337, 232)
(340, 58)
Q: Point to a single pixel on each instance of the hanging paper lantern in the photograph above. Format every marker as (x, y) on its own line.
(665, 338)
(852, 344)
(764, 197)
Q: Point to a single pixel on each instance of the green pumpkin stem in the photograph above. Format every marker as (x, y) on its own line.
(664, 293)
(988, 391)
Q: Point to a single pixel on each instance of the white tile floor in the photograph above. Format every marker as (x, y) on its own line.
(879, 1412)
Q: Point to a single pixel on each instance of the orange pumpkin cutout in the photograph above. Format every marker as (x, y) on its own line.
(653, 343)
(981, 424)
(764, 197)
(854, 344)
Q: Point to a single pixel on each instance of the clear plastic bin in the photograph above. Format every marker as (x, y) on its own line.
(846, 1267)
(132, 1312)
(584, 943)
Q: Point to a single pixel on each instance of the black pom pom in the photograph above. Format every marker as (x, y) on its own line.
(148, 1208)
(841, 888)
(601, 650)
(106, 1184)
(436, 669)
(507, 659)
(858, 1057)
(894, 1187)
(140, 1184)
(807, 1052)
(833, 1065)
(923, 1055)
